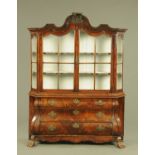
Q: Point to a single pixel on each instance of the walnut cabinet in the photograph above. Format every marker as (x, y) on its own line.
(76, 83)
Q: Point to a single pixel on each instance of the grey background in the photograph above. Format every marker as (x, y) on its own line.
(116, 13)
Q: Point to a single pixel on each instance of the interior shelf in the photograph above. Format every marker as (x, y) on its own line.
(91, 53)
(88, 73)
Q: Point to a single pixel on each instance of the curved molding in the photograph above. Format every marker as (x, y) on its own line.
(77, 21)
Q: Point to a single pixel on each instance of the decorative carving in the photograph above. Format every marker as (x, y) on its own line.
(76, 19)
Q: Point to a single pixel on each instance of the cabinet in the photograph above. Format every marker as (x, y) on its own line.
(76, 83)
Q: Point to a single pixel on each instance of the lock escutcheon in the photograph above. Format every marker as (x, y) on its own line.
(76, 125)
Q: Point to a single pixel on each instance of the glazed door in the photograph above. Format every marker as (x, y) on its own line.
(94, 62)
(58, 62)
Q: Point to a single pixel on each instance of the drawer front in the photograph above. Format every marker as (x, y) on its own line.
(75, 128)
(75, 115)
(70, 103)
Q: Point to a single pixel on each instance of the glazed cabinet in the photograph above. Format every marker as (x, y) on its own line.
(76, 83)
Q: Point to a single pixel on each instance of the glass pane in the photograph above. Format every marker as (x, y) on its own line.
(119, 68)
(103, 58)
(119, 81)
(34, 75)
(66, 58)
(119, 42)
(34, 49)
(86, 81)
(103, 44)
(86, 43)
(119, 58)
(86, 58)
(86, 68)
(66, 68)
(48, 57)
(34, 44)
(66, 43)
(50, 81)
(103, 68)
(50, 44)
(119, 76)
(50, 68)
(102, 82)
(66, 81)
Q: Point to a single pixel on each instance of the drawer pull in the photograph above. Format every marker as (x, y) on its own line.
(52, 128)
(52, 114)
(99, 102)
(99, 114)
(76, 112)
(51, 102)
(100, 128)
(76, 125)
(76, 101)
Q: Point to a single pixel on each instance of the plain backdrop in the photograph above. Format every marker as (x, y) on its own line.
(116, 13)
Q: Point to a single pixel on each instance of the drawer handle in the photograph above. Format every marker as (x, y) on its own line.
(76, 125)
(76, 101)
(99, 114)
(76, 112)
(52, 128)
(99, 102)
(100, 128)
(51, 102)
(52, 114)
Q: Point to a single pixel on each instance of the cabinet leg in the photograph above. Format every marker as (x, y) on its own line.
(31, 142)
(119, 143)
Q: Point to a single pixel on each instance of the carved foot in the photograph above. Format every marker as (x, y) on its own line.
(31, 142)
(119, 143)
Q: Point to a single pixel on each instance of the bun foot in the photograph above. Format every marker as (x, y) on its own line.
(119, 143)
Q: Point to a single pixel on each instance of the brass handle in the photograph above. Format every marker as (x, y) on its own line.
(52, 114)
(51, 102)
(99, 114)
(99, 102)
(100, 127)
(52, 128)
(76, 112)
(76, 101)
(76, 125)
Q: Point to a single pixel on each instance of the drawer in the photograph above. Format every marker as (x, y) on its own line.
(75, 115)
(77, 128)
(70, 103)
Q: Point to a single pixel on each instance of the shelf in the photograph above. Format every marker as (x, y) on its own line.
(78, 63)
(91, 53)
(98, 73)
